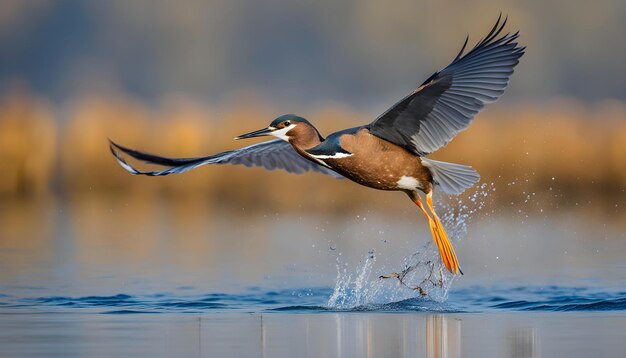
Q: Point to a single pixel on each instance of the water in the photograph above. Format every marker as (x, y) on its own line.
(126, 277)
(315, 335)
(321, 300)
(473, 322)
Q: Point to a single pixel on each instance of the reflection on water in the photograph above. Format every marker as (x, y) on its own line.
(340, 335)
(443, 336)
(145, 245)
(315, 335)
(333, 335)
(523, 343)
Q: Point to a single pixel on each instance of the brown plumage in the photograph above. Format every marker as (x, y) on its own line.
(379, 164)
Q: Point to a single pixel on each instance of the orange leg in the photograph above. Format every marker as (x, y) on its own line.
(448, 256)
(442, 233)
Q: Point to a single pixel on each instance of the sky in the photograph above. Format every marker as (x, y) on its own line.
(300, 53)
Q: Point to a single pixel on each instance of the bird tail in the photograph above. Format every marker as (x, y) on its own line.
(451, 178)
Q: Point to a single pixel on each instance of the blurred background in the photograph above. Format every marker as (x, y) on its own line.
(182, 79)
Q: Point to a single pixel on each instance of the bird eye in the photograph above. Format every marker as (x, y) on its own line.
(287, 123)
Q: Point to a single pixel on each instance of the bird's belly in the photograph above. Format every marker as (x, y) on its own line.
(383, 170)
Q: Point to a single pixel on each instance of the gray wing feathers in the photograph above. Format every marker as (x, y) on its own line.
(274, 154)
(447, 102)
(451, 178)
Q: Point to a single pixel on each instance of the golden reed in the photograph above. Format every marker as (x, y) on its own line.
(568, 150)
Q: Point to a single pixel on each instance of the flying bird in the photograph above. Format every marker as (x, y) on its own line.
(391, 152)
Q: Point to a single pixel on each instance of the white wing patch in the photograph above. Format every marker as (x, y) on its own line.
(408, 183)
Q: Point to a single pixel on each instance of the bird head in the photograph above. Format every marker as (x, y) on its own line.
(281, 127)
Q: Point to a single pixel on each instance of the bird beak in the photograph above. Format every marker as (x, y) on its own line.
(259, 133)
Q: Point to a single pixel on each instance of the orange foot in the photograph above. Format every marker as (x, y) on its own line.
(448, 256)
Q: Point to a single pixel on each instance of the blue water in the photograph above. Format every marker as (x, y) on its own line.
(470, 300)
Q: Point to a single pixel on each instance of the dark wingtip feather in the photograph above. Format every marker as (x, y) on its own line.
(495, 31)
(121, 160)
(153, 158)
(113, 144)
(135, 154)
(492, 40)
(462, 49)
(495, 34)
(492, 32)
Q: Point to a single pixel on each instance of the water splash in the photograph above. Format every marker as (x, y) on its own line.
(352, 292)
(423, 275)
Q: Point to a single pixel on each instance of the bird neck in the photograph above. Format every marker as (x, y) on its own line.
(305, 137)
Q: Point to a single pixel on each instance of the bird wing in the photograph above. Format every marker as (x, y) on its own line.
(273, 154)
(446, 103)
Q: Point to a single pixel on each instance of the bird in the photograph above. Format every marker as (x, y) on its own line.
(390, 153)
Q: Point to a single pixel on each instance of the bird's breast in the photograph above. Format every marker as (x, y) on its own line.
(379, 164)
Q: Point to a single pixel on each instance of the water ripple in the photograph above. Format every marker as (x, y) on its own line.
(472, 299)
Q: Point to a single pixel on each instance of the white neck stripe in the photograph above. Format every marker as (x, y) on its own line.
(334, 156)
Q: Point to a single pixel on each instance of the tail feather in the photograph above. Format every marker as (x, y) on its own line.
(451, 178)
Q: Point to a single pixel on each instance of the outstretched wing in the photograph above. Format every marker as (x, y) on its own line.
(447, 101)
(273, 154)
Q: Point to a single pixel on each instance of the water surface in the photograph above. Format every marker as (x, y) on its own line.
(315, 335)
(123, 278)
